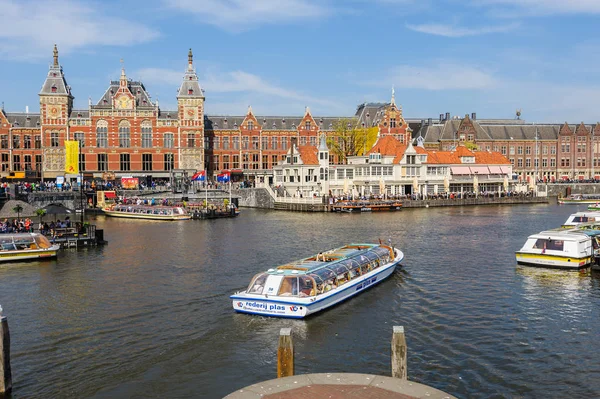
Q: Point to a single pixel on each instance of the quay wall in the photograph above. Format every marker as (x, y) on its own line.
(474, 201)
(556, 190)
(254, 198)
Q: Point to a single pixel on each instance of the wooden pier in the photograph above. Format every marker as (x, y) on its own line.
(339, 385)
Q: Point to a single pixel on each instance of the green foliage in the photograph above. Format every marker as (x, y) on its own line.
(18, 209)
(41, 213)
(471, 146)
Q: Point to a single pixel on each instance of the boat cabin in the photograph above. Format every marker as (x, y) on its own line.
(23, 241)
(581, 217)
(321, 273)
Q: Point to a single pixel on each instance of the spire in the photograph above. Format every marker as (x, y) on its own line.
(306, 110)
(190, 59)
(393, 96)
(189, 87)
(55, 56)
(249, 109)
(123, 78)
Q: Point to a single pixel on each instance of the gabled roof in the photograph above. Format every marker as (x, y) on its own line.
(490, 158)
(308, 154)
(137, 89)
(389, 146)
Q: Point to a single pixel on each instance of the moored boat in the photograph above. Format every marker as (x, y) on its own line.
(581, 217)
(580, 199)
(366, 206)
(148, 212)
(306, 286)
(26, 246)
(565, 249)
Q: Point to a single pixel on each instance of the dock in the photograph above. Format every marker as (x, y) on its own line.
(339, 385)
(70, 238)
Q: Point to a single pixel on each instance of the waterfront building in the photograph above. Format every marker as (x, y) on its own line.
(126, 133)
(392, 167)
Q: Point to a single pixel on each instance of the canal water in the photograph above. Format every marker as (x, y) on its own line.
(149, 315)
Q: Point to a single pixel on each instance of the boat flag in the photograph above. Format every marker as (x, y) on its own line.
(224, 177)
(199, 176)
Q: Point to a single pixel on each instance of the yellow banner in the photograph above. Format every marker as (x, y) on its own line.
(72, 157)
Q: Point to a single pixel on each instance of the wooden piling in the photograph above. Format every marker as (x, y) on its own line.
(5, 372)
(285, 354)
(399, 369)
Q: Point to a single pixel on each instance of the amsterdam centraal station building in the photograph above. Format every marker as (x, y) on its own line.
(125, 133)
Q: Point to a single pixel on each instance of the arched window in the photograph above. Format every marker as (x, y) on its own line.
(191, 137)
(146, 134)
(102, 134)
(124, 134)
(54, 139)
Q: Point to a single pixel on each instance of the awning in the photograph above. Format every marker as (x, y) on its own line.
(110, 194)
(506, 169)
(480, 170)
(495, 170)
(460, 170)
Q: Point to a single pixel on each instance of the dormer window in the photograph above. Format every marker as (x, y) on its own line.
(79, 115)
(139, 91)
(53, 89)
(190, 78)
(375, 158)
(235, 125)
(144, 102)
(105, 101)
(307, 125)
(250, 125)
(190, 91)
(274, 125)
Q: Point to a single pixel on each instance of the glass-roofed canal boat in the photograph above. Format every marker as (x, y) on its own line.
(306, 286)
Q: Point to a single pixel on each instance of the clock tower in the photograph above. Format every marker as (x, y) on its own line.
(56, 103)
(190, 104)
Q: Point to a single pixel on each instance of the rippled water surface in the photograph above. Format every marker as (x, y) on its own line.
(148, 316)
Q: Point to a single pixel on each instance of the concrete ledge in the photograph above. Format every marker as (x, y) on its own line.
(328, 384)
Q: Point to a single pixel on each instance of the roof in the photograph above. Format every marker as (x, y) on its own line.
(267, 122)
(190, 87)
(308, 154)
(22, 119)
(137, 89)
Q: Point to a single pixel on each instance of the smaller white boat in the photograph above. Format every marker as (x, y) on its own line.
(564, 249)
(148, 212)
(580, 199)
(581, 217)
(24, 246)
(306, 286)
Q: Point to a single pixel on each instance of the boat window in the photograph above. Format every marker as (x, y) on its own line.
(42, 241)
(8, 246)
(549, 244)
(258, 284)
(289, 286)
(307, 286)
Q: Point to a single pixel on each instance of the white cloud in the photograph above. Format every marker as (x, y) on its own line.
(29, 28)
(460, 31)
(252, 86)
(241, 15)
(443, 76)
(545, 7)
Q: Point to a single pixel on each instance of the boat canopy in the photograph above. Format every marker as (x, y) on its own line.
(336, 261)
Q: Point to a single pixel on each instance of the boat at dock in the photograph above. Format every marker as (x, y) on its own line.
(26, 246)
(575, 199)
(306, 286)
(578, 218)
(366, 206)
(148, 212)
(565, 249)
(213, 211)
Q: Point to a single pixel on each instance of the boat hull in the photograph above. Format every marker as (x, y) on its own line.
(146, 216)
(553, 261)
(298, 308)
(23, 255)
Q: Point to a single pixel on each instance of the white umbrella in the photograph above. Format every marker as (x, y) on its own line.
(475, 184)
(415, 184)
(345, 185)
(381, 186)
(446, 184)
(532, 183)
(505, 183)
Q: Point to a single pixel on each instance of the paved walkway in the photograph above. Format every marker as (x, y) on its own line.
(338, 386)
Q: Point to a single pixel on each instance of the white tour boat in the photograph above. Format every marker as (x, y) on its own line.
(148, 212)
(24, 246)
(565, 249)
(300, 288)
(581, 217)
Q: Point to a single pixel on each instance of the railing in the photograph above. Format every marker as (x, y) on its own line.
(298, 200)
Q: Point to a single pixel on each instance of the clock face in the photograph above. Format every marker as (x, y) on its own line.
(190, 113)
(53, 111)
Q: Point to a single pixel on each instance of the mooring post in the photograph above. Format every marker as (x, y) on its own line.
(399, 353)
(285, 354)
(5, 372)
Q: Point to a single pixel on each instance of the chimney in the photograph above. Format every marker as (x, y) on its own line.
(441, 118)
(430, 121)
(27, 109)
(447, 116)
(474, 116)
(422, 122)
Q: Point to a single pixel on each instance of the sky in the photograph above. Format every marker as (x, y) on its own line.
(491, 57)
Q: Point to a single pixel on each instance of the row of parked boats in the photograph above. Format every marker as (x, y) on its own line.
(575, 245)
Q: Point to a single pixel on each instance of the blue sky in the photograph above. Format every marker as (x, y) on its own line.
(457, 56)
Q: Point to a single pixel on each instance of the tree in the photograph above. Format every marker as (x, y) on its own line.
(41, 213)
(348, 139)
(18, 209)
